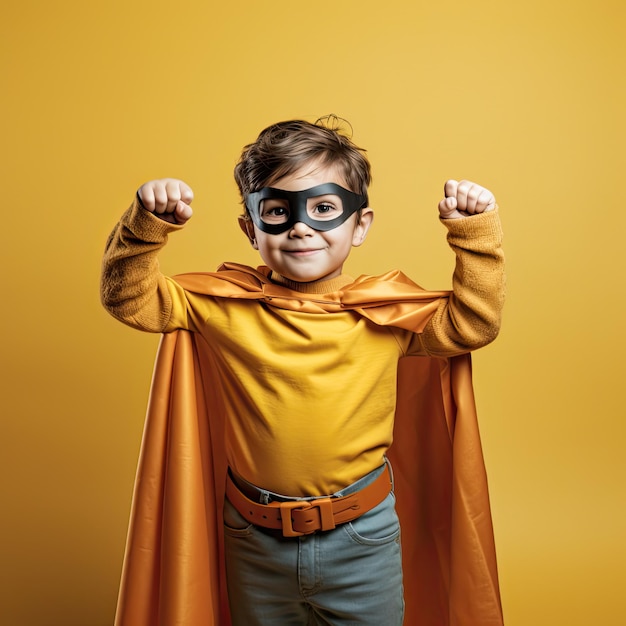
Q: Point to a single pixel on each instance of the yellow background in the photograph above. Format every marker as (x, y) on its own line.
(527, 98)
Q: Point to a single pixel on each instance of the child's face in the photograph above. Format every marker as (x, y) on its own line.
(301, 253)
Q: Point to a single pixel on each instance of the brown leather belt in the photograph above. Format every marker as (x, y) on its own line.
(304, 517)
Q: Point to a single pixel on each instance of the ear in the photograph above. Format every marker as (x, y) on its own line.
(246, 225)
(361, 229)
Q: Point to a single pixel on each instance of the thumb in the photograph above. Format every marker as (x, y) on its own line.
(182, 212)
(448, 208)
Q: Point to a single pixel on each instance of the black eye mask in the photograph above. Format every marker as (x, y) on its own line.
(295, 210)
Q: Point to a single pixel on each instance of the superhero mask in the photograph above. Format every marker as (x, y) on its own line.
(322, 207)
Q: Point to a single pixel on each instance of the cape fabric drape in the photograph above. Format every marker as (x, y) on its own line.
(173, 571)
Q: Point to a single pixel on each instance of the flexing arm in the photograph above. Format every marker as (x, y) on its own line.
(132, 288)
(470, 317)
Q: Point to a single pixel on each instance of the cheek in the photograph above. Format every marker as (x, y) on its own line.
(265, 243)
(342, 238)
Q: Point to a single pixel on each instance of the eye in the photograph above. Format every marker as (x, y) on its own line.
(325, 211)
(324, 208)
(274, 211)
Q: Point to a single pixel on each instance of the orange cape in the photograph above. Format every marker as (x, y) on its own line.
(174, 562)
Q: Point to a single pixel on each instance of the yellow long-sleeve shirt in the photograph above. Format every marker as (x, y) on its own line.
(310, 398)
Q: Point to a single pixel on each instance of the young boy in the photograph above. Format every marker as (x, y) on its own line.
(307, 366)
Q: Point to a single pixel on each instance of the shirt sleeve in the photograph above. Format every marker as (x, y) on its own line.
(132, 287)
(471, 316)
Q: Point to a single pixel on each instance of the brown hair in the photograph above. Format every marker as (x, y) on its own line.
(285, 147)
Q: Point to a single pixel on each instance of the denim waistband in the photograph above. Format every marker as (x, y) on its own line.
(263, 496)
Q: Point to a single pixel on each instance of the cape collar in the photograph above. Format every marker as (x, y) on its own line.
(388, 299)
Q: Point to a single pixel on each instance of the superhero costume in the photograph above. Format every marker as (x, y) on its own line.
(173, 568)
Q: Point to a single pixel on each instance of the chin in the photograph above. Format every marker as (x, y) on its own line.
(303, 278)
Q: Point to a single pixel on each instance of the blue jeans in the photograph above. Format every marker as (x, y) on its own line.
(347, 576)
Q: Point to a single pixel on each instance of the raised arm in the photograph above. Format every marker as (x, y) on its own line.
(470, 318)
(132, 288)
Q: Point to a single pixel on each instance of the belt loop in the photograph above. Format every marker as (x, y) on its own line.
(327, 519)
(389, 466)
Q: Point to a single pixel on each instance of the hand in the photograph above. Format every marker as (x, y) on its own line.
(465, 198)
(168, 199)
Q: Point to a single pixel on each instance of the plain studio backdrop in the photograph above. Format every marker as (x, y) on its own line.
(526, 98)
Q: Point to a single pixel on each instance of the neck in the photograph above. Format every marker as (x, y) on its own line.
(316, 287)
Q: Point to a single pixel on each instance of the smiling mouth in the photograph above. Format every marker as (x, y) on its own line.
(304, 252)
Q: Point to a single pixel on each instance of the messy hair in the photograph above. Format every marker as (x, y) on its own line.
(285, 147)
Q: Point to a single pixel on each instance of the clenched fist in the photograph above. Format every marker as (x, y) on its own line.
(168, 199)
(465, 198)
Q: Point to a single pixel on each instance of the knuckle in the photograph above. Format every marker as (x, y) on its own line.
(173, 192)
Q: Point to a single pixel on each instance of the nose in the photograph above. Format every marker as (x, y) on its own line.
(300, 229)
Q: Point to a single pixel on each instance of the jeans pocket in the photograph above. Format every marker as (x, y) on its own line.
(378, 526)
(235, 524)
